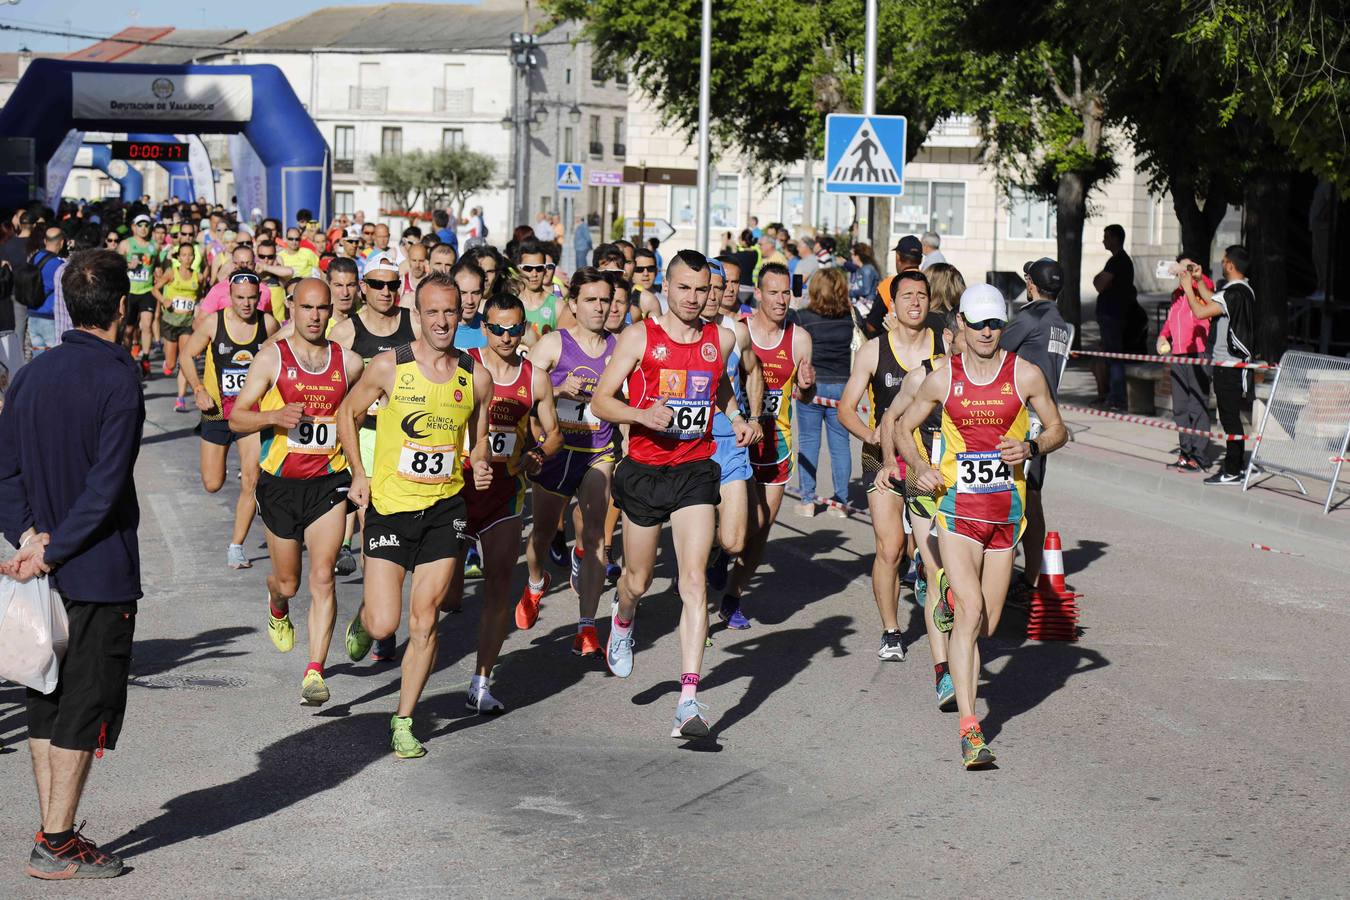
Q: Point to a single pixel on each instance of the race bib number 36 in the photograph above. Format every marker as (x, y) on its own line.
(312, 435)
(426, 464)
(232, 381)
(982, 473)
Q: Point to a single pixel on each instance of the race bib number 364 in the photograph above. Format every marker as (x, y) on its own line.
(982, 472)
(426, 464)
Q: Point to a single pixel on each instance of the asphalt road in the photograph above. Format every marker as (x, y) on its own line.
(1190, 744)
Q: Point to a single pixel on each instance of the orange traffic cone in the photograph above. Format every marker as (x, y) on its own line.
(1054, 615)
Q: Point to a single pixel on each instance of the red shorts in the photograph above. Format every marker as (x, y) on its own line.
(773, 473)
(992, 536)
(504, 499)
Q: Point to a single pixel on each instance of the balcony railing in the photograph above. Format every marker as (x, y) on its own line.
(597, 149)
(366, 99)
(620, 151)
(452, 101)
(344, 166)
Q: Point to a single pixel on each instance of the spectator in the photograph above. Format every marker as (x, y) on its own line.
(543, 228)
(828, 319)
(14, 316)
(754, 230)
(582, 243)
(654, 244)
(945, 285)
(42, 321)
(862, 283)
(86, 238)
(807, 262)
(441, 219)
(1185, 335)
(931, 254)
(68, 499)
(477, 224)
(1233, 311)
(1116, 298)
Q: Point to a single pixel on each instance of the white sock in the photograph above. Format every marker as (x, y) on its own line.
(536, 585)
(477, 684)
(584, 622)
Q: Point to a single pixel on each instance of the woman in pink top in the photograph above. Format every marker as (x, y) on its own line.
(1185, 335)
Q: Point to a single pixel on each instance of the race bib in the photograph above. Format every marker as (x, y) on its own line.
(426, 464)
(690, 399)
(313, 435)
(232, 381)
(502, 444)
(577, 414)
(982, 472)
(183, 304)
(773, 402)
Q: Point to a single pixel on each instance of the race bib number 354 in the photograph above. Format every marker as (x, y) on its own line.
(982, 472)
(426, 464)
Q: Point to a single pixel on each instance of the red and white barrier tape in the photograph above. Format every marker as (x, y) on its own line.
(1183, 360)
(1340, 459)
(1273, 550)
(1157, 423)
(825, 501)
(834, 404)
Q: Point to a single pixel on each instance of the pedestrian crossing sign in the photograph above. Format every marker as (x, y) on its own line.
(865, 155)
(569, 177)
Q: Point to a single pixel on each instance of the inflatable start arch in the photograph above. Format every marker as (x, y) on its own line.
(254, 102)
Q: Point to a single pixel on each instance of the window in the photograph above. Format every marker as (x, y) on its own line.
(567, 78)
(725, 199)
(620, 137)
(683, 206)
(793, 202)
(569, 145)
(931, 206)
(597, 147)
(597, 75)
(546, 203)
(344, 203)
(344, 142)
(1157, 218)
(389, 203)
(621, 77)
(1030, 217)
(368, 74)
(452, 138)
(391, 141)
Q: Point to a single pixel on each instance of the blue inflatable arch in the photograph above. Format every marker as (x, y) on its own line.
(131, 182)
(56, 95)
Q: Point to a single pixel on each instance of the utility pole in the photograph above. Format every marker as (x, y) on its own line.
(704, 141)
(869, 100)
(524, 59)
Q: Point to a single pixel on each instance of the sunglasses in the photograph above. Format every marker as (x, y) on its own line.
(244, 278)
(644, 268)
(535, 268)
(991, 324)
(268, 258)
(292, 237)
(381, 285)
(515, 330)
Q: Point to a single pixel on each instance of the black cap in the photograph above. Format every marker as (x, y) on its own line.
(1046, 274)
(909, 245)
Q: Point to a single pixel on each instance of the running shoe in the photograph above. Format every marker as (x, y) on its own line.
(557, 550)
(1223, 478)
(586, 642)
(946, 693)
(717, 571)
(145, 367)
(358, 639)
(78, 857)
(619, 653)
(156, 349)
(612, 572)
(167, 370)
(313, 690)
(975, 753)
(575, 578)
(943, 612)
(385, 650)
(235, 558)
(891, 646)
(481, 701)
(689, 721)
(346, 562)
(731, 614)
(473, 564)
(281, 631)
(527, 610)
(401, 739)
(180, 406)
(921, 590)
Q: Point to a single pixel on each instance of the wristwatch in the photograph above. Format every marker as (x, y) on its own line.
(1035, 450)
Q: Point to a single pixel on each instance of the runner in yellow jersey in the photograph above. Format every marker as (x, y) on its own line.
(415, 517)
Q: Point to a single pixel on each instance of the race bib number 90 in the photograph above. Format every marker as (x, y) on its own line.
(232, 381)
(312, 435)
(982, 472)
(425, 464)
(502, 444)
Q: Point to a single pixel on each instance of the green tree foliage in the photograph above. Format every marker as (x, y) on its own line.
(433, 178)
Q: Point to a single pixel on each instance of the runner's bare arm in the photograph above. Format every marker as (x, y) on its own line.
(1035, 391)
(864, 365)
(565, 317)
(245, 417)
(753, 380)
(607, 401)
(187, 362)
(281, 333)
(269, 323)
(932, 392)
(747, 432)
(344, 333)
(805, 388)
(354, 365)
(648, 305)
(547, 413)
(544, 354)
(909, 388)
(480, 449)
(375, 383)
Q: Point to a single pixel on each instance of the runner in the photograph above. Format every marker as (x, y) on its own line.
(290, 398)
(231, 339)
(649, 300)
(734, 461)
(574, 359)
(177, 290)
(380, 326)
(880, 368)
(674, 371)
(140, 255)
(545, 309)
(784, 352)
(983, 394)
(415, 516)
(495, 514)
(620, 317)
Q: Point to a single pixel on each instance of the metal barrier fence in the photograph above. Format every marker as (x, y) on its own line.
(1306, 425)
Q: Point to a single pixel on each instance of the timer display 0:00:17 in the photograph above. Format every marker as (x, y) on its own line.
(154, 151)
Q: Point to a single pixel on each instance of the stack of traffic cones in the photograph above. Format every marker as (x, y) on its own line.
(1054, 615)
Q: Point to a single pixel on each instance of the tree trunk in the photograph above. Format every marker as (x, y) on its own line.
(1267, 208)
(1198, 223)
(1071, 212)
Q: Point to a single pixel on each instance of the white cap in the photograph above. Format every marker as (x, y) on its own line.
(983, 301)
(379, 261)
(141, 218)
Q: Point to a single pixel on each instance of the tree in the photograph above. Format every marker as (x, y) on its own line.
(457, 173)
(433, 177)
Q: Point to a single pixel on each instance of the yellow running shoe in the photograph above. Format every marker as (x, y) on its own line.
(975, 753)
(313, 690)
(281, 631)
(401, 739)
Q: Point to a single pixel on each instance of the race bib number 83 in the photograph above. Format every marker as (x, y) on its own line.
(425, 464)
(982, 472)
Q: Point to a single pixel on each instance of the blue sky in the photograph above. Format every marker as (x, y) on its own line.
(100, 17)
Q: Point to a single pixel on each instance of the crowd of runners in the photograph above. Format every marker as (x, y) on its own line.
(391, 407)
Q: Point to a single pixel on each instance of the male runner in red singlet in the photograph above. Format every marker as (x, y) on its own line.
(674, 370)
(296, 385)
(983, 394)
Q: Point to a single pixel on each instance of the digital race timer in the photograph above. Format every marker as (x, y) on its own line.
(150, 150)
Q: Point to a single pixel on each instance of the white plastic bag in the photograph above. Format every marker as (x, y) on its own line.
(33, 632)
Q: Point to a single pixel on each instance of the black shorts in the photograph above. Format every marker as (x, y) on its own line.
(413, 538)
(1035, 473)
(217, 431)
(649, 494)
(85, 711)
(290, 505)
(144, 303)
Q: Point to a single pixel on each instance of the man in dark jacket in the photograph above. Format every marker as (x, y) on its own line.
(69, 436)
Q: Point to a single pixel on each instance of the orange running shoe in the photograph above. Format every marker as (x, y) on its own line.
(586, 643)
(527, 610)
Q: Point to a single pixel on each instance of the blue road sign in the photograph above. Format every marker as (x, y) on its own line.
(569, 177)
(865, 155)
